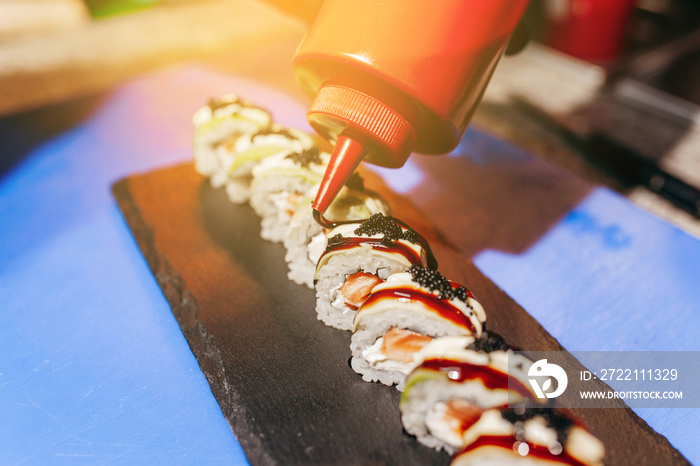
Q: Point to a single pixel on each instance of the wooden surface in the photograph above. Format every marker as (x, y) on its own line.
(46, 68)
(27, 17)
(280, 376)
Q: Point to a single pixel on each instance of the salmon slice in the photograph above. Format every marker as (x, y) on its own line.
(399, 344)
(357, 287)
(230, 143)
(461, 414)
(293, 200)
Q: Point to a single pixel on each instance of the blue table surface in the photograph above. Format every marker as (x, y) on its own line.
(93, 366)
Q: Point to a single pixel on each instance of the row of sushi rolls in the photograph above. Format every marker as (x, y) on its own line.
(411, 326)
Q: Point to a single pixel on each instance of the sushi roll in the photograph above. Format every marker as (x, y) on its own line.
(279, 184)
(529, 437)
(359, 256)
(404, 314)
(306, 239)
(218, 126)
(455, 381)
(251, 148)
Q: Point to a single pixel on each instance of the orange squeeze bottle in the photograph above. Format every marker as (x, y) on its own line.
(391, 76)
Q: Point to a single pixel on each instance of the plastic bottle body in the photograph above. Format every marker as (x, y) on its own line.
(428, 61)
(392, 76)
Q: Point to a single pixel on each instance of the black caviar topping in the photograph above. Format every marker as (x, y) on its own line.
(378, 223)
(489, 341)
(268, 130)
(221, 102)
(392, 230)
(461, 293)
(355, 182)
(215, 104)
(388, 227)
(333, 240)
(434, 281)
(411, 236)
(306, 157)
(554, 418)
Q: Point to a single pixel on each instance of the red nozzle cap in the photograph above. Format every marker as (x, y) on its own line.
(362, 126)
(347, 155)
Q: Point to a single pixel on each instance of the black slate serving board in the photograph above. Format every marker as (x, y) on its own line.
(280, 376)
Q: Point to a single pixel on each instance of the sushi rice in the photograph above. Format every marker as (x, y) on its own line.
(279, 184)
(428, 392)
(251, 148)
(278, 170)
(338, 266)
(409, 317)
(218, 126)
(306, 240)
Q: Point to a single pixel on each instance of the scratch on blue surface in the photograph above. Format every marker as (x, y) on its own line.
(34, 404)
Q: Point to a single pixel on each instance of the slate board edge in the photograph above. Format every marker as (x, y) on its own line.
(184, 308)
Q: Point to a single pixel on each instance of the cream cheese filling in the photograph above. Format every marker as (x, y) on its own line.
(376, 358)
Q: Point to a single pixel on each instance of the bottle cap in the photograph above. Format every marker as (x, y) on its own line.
(362, 127)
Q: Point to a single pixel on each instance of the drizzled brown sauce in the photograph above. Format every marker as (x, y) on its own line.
(430, 260)
(376, 243)
(508, 442)
(443, 307)
(459, 371)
